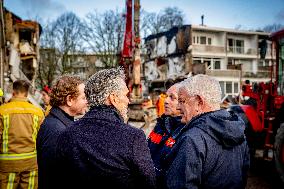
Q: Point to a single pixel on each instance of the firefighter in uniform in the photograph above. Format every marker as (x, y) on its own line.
(19, 124)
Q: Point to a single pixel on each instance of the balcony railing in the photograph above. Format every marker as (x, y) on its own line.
(251, 51)
(259, 74)
(237, 73)
(208, 48)
(236, 50)
(224, 73)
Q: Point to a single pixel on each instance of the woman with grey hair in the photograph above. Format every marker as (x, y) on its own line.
(100, 149)
(211, 150)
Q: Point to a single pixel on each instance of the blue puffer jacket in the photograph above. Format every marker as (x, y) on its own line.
(210, 152)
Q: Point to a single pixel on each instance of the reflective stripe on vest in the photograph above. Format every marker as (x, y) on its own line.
(35, 127)
(11, 180)
(6, 120)
(6, 155)
(17, 156)
(32, 180)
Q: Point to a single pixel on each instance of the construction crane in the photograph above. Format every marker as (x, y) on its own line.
(130, 54)
(131, 62)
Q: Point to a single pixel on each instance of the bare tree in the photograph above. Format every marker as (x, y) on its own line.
(152, 23)
(68, 31)
(104, 35)
(49, 58)
(170, 17)
(61, 41)
(273, 27)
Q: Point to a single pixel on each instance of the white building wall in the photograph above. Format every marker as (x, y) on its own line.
(151, 71)
(223, 64)
(254, 66)
(176, 67)
(172, 46)
(162, 46)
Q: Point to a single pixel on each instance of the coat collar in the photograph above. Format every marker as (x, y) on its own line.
(61, 115)
(170, 125)
(104, 112)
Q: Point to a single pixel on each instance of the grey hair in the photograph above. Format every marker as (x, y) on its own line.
(100, 85)
(204, 86)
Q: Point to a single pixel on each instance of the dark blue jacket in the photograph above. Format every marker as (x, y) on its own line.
(100, 150)
(54, 124)
(210, 152)
(161, 141)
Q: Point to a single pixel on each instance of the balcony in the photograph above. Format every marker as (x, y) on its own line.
(224, 73)
(208, 49)
(260, 74)
(236, 50)
(237, 73)
(241, 52)
(251, 51)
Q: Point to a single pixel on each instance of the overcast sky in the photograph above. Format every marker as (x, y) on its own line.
(251, 14)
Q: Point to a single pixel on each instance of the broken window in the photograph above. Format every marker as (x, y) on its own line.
(27, 68)
(25, 35)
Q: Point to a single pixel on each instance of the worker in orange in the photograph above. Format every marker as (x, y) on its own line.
(46, 99)
(160, 104)
(19, 124)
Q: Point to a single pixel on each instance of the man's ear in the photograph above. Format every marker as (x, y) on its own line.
(200, 100)
(69, 100)
(112, 99)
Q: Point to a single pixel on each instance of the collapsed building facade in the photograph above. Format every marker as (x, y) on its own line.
(19, 52)
(231, 56)
(166, 56)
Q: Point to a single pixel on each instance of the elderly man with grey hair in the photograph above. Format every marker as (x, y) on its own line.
(211, 150)
(100, 150)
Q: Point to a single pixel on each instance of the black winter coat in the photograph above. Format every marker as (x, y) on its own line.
(100, 150)
(54, 124)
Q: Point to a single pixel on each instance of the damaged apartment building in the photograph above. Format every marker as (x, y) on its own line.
(231, 56)
(19, 50)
